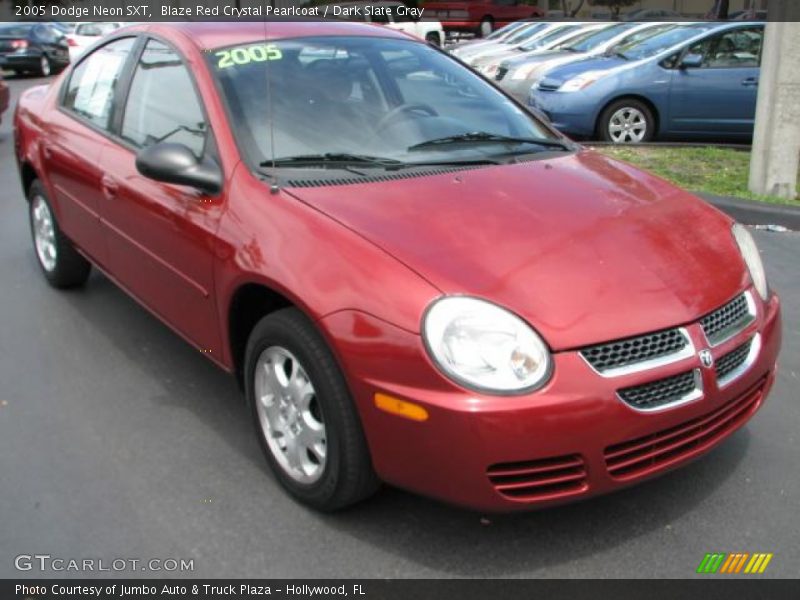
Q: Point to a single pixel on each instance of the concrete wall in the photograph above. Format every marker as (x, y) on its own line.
(776, 144)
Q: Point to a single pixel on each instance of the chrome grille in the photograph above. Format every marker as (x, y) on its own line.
(630, 351)
(727, 321)
(732, 360)
(662, 392)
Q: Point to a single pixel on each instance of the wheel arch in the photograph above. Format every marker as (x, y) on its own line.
(641, 98)
(27, 175)
(249, 303)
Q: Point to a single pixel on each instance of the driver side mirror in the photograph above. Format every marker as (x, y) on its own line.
(175, 163)
(692, 61)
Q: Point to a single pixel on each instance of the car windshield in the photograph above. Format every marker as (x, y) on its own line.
(591, 40)
(638, 36)
(503, 32)
(15, 30)
(551, 37)
(347, 99)
(525, 33)
(657, 44)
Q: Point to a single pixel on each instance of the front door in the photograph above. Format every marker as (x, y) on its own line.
(161, 237)
(719, 97)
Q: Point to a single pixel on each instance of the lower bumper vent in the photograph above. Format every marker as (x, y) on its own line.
(542, 479)
(649, 454)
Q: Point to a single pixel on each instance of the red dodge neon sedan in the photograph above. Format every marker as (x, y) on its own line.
(415, 280)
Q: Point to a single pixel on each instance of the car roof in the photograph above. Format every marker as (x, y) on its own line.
(217, 34)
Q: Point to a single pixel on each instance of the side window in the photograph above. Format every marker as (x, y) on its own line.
(731, 49)
(162, 103)
(91, 87)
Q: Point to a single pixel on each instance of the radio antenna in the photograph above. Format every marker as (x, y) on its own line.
(274, 187)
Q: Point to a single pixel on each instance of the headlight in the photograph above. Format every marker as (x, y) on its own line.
(484, 347)
(752, 259)
(580, 81)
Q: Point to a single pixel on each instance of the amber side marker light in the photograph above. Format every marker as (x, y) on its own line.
(401, 408)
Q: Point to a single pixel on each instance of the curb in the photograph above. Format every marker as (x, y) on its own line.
(668, 144)
(755, 213)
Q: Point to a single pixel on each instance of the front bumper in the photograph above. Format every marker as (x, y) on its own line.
(573, 113)
(519, 89)
(570, 440)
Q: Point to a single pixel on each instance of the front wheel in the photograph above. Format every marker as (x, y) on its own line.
(62, 265)
(305, 418)
(627, 121)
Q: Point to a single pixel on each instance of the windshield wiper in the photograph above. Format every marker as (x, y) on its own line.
(306, 160)
(569, 49)
(621, 55)
(485, 137)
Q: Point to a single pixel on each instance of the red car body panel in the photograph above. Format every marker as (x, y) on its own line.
(469, 13)
(540, 238)
(585, 248)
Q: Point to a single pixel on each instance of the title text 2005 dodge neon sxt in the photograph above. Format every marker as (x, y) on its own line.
(415, 280)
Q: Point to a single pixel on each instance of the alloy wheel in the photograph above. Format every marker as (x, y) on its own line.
(627, 125)
(44, 234)
(290, 415)
(44, 66)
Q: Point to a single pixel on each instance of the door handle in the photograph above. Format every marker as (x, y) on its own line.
(750, 82)
(110, 187)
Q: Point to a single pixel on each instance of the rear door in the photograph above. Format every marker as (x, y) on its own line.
(161, 237)
(718, 97)
(73, 139)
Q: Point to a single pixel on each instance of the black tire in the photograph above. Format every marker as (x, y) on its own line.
(70, 269)
(348, 476)
(634, 107)
(433, 38)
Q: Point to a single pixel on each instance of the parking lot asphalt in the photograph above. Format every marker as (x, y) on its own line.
(118, 440)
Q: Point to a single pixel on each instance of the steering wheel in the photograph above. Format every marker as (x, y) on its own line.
(402, 109)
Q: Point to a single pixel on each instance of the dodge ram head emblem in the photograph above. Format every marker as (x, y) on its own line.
(706, 359)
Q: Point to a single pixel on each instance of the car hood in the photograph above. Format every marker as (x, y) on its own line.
(529, 58)
(556, 77)
(585, 248)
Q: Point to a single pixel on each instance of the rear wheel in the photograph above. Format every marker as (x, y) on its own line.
(305, 419)
(45, 68)
(62, 265)
(486, 27)
(627, 121)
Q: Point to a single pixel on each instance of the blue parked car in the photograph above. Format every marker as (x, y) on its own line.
(695, 80)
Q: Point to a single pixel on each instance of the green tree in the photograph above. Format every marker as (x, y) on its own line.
(571, 7)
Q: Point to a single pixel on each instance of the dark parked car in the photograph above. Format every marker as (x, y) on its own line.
(4, 95)
(32, 47)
